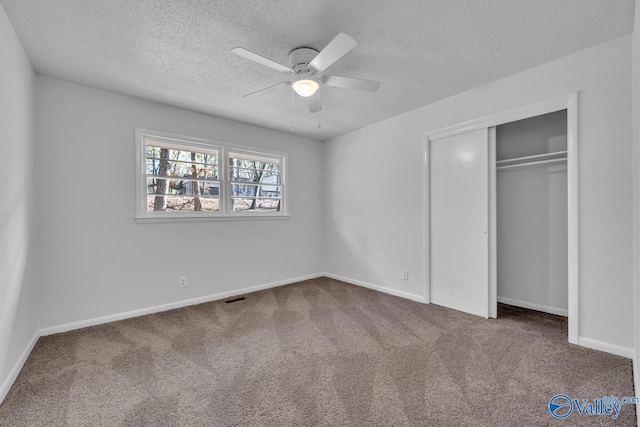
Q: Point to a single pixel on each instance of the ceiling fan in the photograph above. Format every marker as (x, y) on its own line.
(307, 64)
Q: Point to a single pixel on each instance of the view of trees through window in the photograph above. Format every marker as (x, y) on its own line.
(191, 182)
(255, 183)
(194, 177)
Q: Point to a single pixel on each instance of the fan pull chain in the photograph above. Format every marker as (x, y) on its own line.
(293, 128)
(319, 101)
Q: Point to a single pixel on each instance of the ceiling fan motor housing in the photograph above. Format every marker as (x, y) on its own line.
(299, 60)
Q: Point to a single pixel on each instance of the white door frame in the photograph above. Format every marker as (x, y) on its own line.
(567, 102)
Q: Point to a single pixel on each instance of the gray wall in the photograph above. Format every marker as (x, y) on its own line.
(18, 292)
(97, 261)
(374, 208)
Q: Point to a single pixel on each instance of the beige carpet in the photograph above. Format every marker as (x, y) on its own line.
(320, 352)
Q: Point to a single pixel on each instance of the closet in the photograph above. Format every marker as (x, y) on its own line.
(531, 213)
(501, 222)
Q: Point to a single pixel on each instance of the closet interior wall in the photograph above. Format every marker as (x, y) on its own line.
(531, 212)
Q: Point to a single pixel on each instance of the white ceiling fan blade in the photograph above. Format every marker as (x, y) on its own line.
(268, 89)
(351, 83)
(314, 104)
(335, 50)
(247, 54)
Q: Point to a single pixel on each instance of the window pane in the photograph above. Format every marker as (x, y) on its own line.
(182, 204)
(182, 186)
(248, 170)
(210, 188)
(153, 151)
(255, 205)
(253, 190)
(256, 183)
(249, 175)
(180, 169)
(183, 155)
(181, 163)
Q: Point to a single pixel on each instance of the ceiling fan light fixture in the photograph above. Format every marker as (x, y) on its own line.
(305, 87)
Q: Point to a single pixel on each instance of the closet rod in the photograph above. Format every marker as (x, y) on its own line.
(535, 156)
(533, 163)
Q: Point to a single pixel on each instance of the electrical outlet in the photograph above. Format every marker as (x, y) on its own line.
(182, 282)
(405, 275)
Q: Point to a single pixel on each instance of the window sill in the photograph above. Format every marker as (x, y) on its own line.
(230, 218)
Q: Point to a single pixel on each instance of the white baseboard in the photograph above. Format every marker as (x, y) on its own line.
(532, 306)
(606, 347)
(170, 306)
(401, 294)
(8, 382)
(6, 385)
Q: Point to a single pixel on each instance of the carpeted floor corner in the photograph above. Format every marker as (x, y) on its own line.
(315, 353)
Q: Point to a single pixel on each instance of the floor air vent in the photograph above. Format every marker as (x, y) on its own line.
(228, 301)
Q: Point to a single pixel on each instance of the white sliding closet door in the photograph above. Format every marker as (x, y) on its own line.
(459, 221)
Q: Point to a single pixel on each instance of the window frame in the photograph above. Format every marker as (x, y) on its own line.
(230, 182)
(223, 149)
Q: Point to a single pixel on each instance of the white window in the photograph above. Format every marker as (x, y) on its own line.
(183, 177)
(256, 182)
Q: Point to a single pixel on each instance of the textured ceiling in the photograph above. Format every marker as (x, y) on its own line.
(177, 51)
